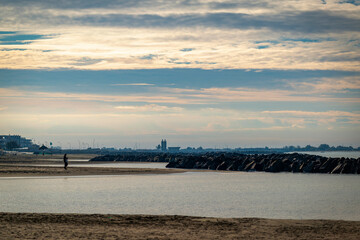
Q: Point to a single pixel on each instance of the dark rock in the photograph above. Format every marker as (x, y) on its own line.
(328, 166)
(308, 168)
(295, 167)
(337, 169)
(275, 166)
(249, 166)
(222, 166)
(347, 167)
(241, 162)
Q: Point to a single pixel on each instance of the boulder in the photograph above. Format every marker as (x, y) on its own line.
(308, 168)
(275, 166)
(337, 169)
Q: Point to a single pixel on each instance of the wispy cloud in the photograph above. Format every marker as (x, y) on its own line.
(316, 114)
(148, 108)
(185, 96)
(328, 85)
(132, 84)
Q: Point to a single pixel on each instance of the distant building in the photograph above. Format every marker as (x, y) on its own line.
(20, 141)
(174, 149)
(163, 145)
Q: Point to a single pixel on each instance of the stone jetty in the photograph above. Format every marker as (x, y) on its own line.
(296, 163)
(233, 161)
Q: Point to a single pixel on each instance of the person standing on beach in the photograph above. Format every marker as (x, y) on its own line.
(65, 161)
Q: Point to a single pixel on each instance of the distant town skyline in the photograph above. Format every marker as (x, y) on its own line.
(210, 73)
(23, 144)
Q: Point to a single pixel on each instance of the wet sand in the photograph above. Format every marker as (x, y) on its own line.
(30, 171)
(23, 171)
(29, 165)
(79, 226)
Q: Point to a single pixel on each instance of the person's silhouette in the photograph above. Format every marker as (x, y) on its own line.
(65, 161)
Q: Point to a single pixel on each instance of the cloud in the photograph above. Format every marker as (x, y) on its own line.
(212, 95)
(132, 84)
(148, 108)
(185, 96)
(98, 48)
(175, 114)
(326, 117)
(78, 4)
(304, 17)
(144, 34)
(315, 114)
(86, 61)
(328, 85)
(289, 21)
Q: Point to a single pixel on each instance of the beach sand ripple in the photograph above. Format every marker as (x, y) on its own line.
(95, 226)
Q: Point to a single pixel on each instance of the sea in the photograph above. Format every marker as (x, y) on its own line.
(334, 154)
(195, 193)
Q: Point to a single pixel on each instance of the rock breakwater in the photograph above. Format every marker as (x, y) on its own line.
(233, 161)
(297, 163)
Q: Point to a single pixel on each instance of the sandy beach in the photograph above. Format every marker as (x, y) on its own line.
(104, 226)
(31, 165)
(78, 226)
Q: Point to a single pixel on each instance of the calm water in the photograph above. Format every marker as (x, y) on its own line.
(336, 154)
(213, 194)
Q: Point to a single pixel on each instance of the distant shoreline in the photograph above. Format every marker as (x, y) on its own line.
(29, 166)
(108, 226)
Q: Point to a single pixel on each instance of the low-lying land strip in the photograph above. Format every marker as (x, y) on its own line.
(31, 165)
(95, 226)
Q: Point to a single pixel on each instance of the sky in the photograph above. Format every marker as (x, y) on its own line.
(217, 74)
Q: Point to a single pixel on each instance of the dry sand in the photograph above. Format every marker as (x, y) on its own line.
(77, 226)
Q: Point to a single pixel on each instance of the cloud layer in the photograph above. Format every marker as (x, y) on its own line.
(294, 110)
(153, 34)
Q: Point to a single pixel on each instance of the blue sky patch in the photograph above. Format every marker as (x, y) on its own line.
(267, 41)
(353, 2)
(148, 57)
(305, 40)
(13, 49)
(7, 32)
(187, 49)
(20, 39)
